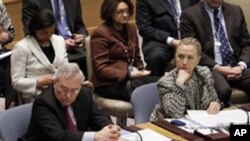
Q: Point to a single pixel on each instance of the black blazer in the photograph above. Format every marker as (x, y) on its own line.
(155, 20)
(73, 12)
(195, 22)
(48, 122)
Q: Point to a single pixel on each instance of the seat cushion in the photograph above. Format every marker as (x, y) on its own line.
(238, 96)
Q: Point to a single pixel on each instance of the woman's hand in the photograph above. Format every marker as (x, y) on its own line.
(214, 107)
(182, 77)
(44, 81)
(139, 73)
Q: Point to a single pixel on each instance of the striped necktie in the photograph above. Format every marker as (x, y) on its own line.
(173, 6)
(69, 120)
(60, 26)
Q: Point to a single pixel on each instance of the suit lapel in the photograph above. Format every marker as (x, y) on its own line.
(79, 114)
(37, 51)
(228, 20)
(206, 22)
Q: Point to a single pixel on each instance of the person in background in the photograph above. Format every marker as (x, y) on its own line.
(118, 68)
(36, 58)
(188, 86)
(7, 34)
(221, 29)
(66, 111)
(158, 23)
(70, 25)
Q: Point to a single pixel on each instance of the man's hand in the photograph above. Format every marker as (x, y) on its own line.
(139, 73)
(108, 133)
(238, 73)
(182, 77)
(214, 107)
(79, 39)
(175, 43)
(232, 73)
(70, 43)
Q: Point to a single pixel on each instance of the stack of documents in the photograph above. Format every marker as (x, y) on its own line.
(222, 119)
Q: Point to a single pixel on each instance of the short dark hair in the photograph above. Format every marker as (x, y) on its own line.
(42, 18)
(109, 6)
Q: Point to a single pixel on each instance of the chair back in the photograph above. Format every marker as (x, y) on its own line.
(88, 57)
(143, 100)
(14, 122)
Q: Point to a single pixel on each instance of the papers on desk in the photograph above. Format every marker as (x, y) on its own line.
(146, 134)
(222, 119)
(6, 54)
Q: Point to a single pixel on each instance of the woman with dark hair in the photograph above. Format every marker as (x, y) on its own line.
(118, 68)
(36, 57)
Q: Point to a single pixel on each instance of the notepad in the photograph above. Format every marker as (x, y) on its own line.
(223, 118)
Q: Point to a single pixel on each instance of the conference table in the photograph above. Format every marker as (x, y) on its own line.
(160, 130)
(179, 136)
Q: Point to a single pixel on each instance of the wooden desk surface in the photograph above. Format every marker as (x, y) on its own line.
(161, 131)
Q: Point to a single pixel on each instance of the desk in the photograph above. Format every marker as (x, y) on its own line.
(161, 131)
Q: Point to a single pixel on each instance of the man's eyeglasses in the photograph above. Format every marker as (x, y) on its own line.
(65, 90)
(121, 12)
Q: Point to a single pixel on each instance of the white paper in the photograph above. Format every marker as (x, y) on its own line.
(222, 119)
(147, 135)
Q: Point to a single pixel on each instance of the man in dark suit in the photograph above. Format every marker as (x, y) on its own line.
(217, 24)
(65, 112)
(158, 26)
(70, 15)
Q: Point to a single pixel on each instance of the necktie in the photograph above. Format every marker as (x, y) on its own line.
(226, 53)
(69, 121)
(173, 7)
(60, 26)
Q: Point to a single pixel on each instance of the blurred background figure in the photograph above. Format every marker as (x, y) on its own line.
(158, 23)
(7, 34)
(36, 58)
(118, 68)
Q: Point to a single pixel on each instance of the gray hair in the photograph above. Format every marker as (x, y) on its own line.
(69, 70)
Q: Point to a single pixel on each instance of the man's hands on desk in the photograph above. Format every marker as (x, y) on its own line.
(108, 133)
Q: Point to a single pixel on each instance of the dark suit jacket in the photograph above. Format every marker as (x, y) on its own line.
(156, 22)
(48, 122)
(195, 22)
(110, 61)
(74, 18)
(73, 12)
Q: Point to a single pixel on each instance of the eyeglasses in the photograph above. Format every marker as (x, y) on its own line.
(64, 90)
(121, 12)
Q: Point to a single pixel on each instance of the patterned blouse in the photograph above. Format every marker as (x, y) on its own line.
(5, 23)
(197, 93)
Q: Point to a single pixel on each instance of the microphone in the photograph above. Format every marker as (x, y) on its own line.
(240, 107)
